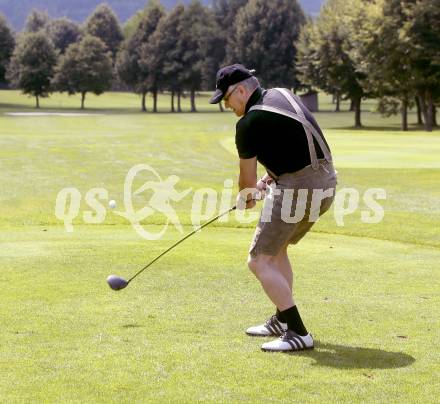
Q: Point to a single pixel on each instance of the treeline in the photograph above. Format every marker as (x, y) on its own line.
(177, 51)
(383, 49)
(77, 10)
(355, 49)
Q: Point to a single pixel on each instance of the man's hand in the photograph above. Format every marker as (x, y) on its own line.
(246, 198)
(263, 183)
(251, 204)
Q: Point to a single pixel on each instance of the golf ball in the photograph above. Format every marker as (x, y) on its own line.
(112, 204)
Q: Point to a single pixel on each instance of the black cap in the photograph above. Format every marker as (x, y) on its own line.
(227, 76)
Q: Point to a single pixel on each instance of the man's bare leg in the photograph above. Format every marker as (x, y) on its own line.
(268, 271)
(283, 263)
(272, 272)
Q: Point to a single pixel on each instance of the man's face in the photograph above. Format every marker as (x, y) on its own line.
(236, 99)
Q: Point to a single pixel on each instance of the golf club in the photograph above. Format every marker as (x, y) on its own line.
(118, 283)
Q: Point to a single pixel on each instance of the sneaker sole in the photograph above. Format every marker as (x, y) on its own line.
(261, 335)
(290, 350)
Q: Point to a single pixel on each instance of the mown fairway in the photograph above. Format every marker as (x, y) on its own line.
(368, 292)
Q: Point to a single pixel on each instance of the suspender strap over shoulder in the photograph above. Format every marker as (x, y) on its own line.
(299, 116)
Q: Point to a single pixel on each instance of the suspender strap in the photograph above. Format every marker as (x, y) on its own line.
(292, 101)
(314, 132)
(299, 111)
(309, 129)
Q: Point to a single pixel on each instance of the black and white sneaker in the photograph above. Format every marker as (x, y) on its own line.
(289, 341)
(271, 328)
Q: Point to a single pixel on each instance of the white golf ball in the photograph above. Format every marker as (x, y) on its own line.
(112, 204)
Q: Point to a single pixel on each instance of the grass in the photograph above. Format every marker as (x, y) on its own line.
(368, 292)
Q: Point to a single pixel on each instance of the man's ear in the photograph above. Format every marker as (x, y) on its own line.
(242, 90)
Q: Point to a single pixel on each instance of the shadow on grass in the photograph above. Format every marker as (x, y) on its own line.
(352, 357)
(14, 108)
(8, 108)
(390, 128)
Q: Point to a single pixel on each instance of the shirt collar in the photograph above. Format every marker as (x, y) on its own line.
(253, 99)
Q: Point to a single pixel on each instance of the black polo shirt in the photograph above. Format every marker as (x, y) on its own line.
(278, 142)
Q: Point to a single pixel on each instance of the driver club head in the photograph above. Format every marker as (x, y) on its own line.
(116, 282)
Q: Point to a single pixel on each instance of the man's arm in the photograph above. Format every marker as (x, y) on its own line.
(248, 177)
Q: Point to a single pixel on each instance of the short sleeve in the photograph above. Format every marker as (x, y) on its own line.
(244, 140)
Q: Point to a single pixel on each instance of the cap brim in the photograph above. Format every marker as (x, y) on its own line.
(217, 97)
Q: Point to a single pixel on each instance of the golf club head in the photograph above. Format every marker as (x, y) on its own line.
(116, 282)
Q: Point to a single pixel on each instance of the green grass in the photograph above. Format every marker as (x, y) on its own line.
(368, 292)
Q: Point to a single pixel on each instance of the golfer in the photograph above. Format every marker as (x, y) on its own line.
(279, 132)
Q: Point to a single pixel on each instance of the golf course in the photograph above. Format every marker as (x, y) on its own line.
(368, 292)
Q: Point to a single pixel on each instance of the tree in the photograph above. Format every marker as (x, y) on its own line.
(382, 55)
(36, 21)
(212, 49)
(104, 24)
(162, 58)
(128, 60)
(85, 67)
(131, 25)
(191, 34)
(63, 32)
(224, 13)
(327, 49)
(32, 65)
(315, 61)
(263, 38)
(7, 43)
(421, 33)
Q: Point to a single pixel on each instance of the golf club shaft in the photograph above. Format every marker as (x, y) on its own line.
(183, 239)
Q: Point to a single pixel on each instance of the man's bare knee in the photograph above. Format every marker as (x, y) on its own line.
(252, 263)
(259, 264)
